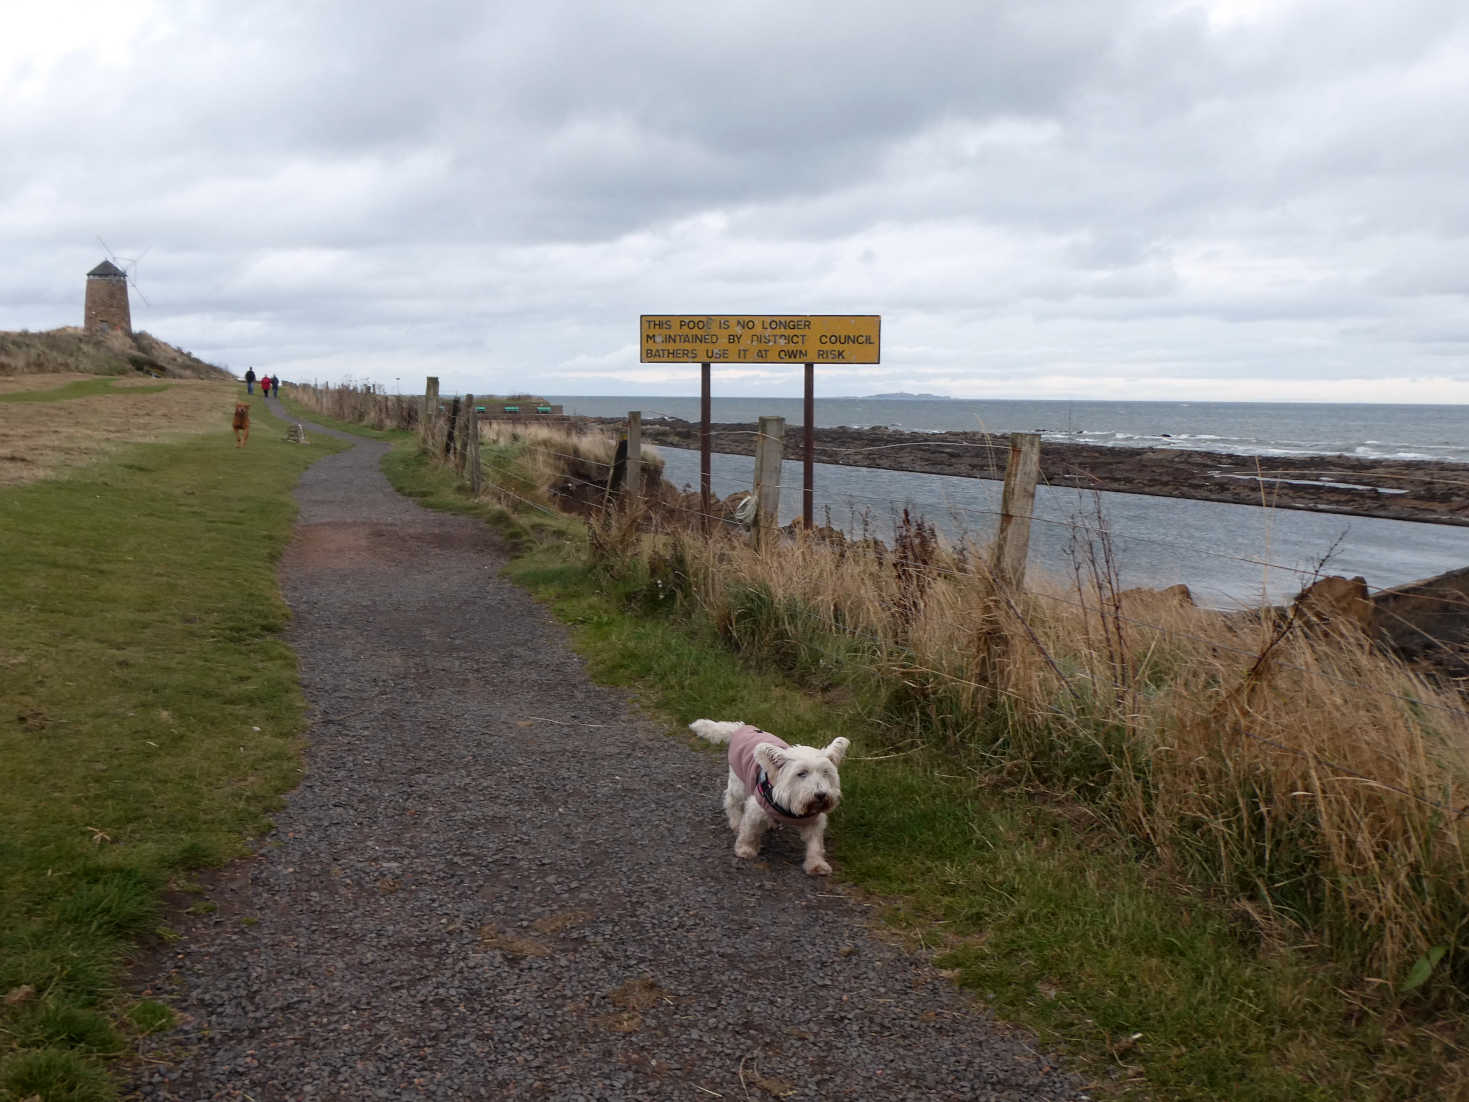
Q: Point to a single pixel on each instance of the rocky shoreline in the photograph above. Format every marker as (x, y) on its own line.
(1396, 489)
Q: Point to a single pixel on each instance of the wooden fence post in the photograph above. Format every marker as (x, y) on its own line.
(461, 432)
(616, 477)
(430, 410)
(449, 429)
(769, 450)
(634, 490)
(471, 448)
(1012, 541)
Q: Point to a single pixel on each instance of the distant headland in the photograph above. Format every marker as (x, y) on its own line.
(904, 396)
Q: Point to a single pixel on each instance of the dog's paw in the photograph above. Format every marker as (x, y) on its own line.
(817, 868)
(746, 851)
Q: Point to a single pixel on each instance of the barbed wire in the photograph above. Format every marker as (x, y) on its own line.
(1052, 436)
(1308, 755)
(1073, 524)
(788, 493)
(1265, 474)
(725, 520)
(1077, 488)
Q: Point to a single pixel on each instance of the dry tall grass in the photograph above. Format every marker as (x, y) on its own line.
(553, 466)
(524, 462)
(1315, 779)
(553, 441)
(360, 405)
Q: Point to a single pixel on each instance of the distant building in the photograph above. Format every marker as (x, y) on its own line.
(107, 300)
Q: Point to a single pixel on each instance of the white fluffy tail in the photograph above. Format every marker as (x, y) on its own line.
(715, 730)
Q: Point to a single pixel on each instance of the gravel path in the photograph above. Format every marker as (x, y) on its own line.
(497, 881)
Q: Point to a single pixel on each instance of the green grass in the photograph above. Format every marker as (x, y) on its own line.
(151, 722)
(82, 388)
(1047, 915)
(1056, 930)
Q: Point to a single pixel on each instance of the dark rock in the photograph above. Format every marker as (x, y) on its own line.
(1398, 489)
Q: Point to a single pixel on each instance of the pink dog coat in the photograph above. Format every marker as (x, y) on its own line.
(752, 774)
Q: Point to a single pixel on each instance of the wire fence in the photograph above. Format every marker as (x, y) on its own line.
(1314, 757)
(1091, 530)
(725, 485)
(1077, 525)
(1232, 723)
(1083, 529)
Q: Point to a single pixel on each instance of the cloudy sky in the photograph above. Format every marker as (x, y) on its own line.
(1225, 199)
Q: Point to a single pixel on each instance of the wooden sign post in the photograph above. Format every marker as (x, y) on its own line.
(704, 447)
(808, 465)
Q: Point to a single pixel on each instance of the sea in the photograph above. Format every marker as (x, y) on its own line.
(1239, 428)
(1230, 556)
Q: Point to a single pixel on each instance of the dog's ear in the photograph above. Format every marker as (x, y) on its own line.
(771, 756)
(837, 750)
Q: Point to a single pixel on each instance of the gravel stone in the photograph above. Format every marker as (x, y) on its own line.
(498, 880)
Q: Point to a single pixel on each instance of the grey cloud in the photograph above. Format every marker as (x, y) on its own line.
(510, 185)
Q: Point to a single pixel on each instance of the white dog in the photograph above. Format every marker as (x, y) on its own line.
(771, 782)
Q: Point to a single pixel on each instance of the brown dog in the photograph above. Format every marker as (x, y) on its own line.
(242, 423)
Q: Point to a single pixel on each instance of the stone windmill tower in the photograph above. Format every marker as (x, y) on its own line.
(107, 300)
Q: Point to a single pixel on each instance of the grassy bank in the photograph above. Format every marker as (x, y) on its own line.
(69, 350)
(49, 428)
(1202, 917)
(151, 723)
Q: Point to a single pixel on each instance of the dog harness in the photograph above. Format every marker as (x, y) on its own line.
(753, 776)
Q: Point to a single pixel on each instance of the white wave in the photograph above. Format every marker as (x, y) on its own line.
(1253, 446)
(1325, 482)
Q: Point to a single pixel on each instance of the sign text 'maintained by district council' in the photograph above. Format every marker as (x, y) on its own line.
(761, 338)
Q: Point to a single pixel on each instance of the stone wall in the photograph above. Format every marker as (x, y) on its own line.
(107, 305)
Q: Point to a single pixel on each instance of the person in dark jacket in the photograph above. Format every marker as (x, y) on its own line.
(249, 380)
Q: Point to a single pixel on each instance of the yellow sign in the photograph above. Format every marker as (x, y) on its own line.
(761, 338)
